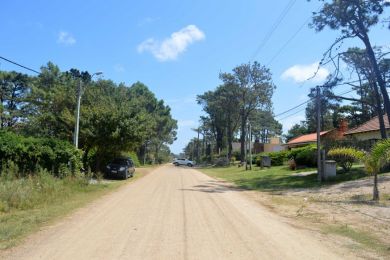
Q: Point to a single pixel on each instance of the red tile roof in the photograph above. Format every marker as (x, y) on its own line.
(371, 125)
(307, 138)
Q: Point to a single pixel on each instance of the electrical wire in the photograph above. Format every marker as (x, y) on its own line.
(17, 64)
(276, 24)
(288, 42)
(307, 101)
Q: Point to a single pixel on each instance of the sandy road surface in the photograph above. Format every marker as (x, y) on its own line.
(172, 213)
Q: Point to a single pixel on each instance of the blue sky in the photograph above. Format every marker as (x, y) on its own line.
(177, 48)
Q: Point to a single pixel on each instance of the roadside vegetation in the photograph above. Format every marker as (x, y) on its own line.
(340, 206)
(278, 178)
(27, 204)
(42, 174)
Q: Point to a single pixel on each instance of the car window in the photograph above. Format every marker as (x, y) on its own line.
(120, 161)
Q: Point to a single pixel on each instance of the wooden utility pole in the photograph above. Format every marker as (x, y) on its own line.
(319, 168)
(250, 145)
(245, 151)
(197, 147)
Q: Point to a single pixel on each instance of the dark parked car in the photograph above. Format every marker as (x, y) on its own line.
(120, 167)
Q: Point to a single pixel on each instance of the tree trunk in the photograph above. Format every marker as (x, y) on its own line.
(379, 111)
(229, 138)
(375, 195)
(378, 76)
(219, 140)
(242, 138)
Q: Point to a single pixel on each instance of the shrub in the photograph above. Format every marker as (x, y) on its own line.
(233, 159)
(221, 162)
(237, 154)
(134, 158)
(304, 156)
(345, 157)
(29, 154)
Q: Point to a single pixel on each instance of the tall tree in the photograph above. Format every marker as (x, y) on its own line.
(264, 125)
(255, 92)
(370, 99)
(14, 88)
(355, 18)
(296, 130)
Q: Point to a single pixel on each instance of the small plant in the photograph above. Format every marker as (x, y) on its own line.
(345, 157)
(376, 161)
(292, 165)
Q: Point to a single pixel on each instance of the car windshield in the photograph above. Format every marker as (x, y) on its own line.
(119, 161)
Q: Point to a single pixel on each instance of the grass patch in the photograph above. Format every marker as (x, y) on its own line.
(27, 204)
(277, 178)
(363, 238)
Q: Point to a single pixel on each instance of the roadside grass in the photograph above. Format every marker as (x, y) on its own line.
(27, 204)
(274, 181)
(361, 237)
(277, 178)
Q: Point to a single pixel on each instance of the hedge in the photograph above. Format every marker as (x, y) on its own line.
(30, 153)
(304, 156)
(277, 158)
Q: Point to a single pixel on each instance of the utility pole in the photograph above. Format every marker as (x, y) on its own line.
(79, 93)
(250, 145)
(245, 152)
(319, 168)
(76, 129)
(197, 147)
(227, 145)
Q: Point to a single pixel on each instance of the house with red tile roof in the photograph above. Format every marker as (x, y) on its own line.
(334, 134)
(369, 131)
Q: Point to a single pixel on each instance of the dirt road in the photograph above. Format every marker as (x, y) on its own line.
(173, 213)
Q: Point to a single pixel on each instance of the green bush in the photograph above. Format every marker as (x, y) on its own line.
(277, 158)
(345, 157)
(237, 155)
(304, 156)
(133, 157)
(29, 154)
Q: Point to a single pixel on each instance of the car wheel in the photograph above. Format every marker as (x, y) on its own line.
(176, 164)
(189, 164)
(125, 175)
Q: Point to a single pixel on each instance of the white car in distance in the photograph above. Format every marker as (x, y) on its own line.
(186, 162)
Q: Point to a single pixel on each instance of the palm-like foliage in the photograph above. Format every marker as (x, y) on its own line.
(379, 157)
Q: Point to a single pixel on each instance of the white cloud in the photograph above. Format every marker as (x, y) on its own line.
(170, 48)
(66, 38)
(301, 73)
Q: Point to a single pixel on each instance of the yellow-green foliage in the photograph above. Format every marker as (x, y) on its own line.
(379, 157)
(345, 156)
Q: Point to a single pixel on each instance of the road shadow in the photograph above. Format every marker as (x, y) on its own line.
(211, 187)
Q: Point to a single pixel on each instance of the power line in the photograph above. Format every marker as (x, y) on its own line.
(288, 41)
(17, 64)
(274, 27)
(307, 101)
(291, 114)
